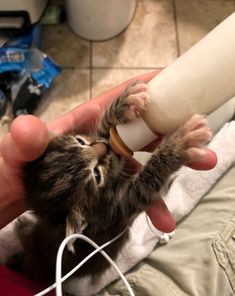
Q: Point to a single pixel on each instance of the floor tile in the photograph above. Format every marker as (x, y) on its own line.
(65, 47)
(105, 79)
(69, 90)
(196, 18)
(149, 41)
(5, 122)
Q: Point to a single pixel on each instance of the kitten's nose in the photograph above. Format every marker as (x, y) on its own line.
(101, 148)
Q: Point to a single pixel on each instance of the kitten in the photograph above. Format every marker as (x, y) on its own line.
(79, 185)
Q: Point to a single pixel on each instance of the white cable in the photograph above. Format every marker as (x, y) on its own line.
(59, 260)
(65, 277)
(163, 237)
(60, 280)
(79, 265)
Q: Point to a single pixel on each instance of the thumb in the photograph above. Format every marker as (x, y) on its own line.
(27, 140)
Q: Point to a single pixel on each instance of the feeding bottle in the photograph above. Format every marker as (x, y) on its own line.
(199, 81)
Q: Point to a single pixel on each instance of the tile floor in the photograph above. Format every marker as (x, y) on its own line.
(160, 31)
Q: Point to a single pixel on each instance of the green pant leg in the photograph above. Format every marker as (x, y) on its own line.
(200, 259)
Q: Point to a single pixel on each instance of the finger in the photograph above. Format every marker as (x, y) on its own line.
(208, 162)
(132, 165)
(81, 119)
(9, 152)
(84, 117)
(110, 95)
(161, 217)
(27, 140)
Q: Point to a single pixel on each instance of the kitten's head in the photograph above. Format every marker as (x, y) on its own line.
(71, 178)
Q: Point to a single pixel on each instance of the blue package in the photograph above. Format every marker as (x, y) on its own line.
(32, 39)
(29, 72)
(48, 72)
(3, 103)
(31, 61)
(13, 59)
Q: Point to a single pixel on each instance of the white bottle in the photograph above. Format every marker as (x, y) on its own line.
(199, 81)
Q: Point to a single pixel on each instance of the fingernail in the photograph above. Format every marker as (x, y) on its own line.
(202, 153)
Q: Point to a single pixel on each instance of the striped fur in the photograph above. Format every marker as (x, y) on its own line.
(79, 185)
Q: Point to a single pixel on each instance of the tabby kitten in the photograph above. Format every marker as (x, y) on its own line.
(79, 185)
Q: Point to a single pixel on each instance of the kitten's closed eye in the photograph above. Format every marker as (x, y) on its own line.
(81, 141)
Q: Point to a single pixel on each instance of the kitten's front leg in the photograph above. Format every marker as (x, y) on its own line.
(125, 108)
(178, 149)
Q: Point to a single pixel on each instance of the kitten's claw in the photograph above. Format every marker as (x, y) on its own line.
(192, 136)
(197, 132)
(137, 97)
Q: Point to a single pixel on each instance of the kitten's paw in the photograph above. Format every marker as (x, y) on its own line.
(192, 136)
(188, 140)
(196, 131)
(136, 98)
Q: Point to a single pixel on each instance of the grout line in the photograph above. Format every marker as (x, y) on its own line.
(113, 68)
(176, 28)
(129, 68)
(91, 70)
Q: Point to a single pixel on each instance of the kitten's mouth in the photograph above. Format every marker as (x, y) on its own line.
(101, 149)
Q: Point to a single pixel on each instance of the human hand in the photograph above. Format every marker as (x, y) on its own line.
(29, 137)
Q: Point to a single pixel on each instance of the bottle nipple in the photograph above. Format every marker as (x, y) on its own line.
(117, 145)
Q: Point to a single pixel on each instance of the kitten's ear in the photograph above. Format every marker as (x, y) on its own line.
(74, 224)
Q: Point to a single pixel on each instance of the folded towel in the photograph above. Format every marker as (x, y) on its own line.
(191, 185)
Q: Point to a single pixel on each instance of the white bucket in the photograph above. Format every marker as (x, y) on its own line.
(99, 20)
